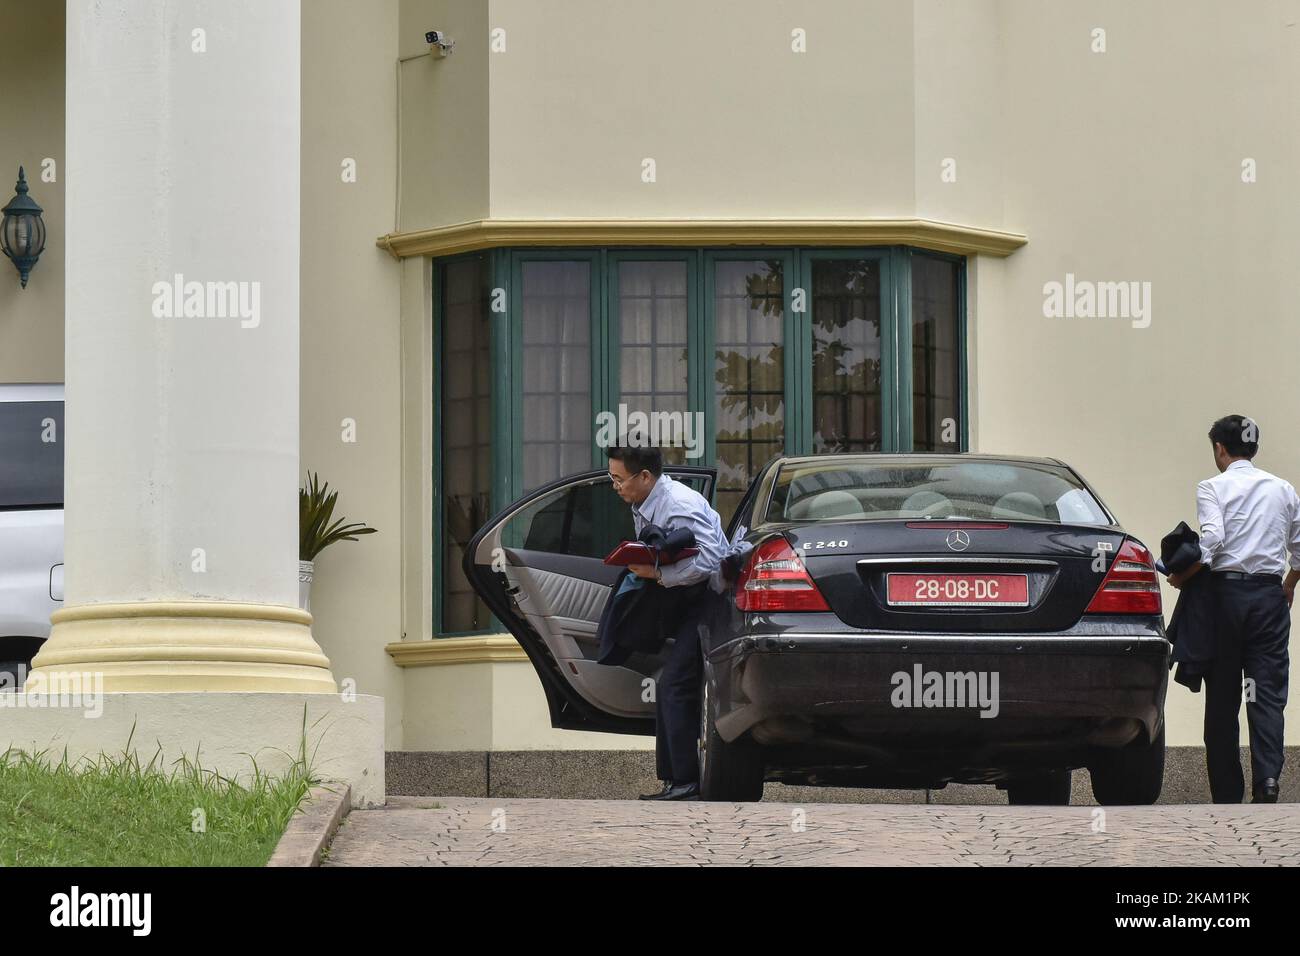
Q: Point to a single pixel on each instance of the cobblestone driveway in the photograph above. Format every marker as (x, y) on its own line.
(464, 831)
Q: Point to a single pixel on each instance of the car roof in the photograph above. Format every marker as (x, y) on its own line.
(42, 392)
(912, 458)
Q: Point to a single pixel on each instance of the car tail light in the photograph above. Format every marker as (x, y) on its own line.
(1130, 586)
(775, 579)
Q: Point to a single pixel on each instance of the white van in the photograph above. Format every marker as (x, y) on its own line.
(31, 519)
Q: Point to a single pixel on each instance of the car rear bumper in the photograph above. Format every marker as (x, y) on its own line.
(854, 697)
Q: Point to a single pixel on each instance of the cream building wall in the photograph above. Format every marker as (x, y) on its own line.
(445, 110)
(737, 124)
(351, 403)
(31, 130)
(1127, 165)
(1122, 165)
(446, 113)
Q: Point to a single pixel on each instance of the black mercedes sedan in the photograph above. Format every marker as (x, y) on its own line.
(896, 620)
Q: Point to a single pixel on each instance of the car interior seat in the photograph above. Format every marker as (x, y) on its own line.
(827, 504)
(1019, 504)
(925, 504)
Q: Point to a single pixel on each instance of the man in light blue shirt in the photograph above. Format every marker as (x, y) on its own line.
(672, 505)
(657, 499)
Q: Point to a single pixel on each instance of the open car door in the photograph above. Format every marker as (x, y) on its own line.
(539, 566)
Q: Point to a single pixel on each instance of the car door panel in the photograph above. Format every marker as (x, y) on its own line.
(561, 607)
(539, 566)
(566, 565)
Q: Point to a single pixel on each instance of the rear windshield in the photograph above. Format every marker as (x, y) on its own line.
(1021, 491)
(31, 455)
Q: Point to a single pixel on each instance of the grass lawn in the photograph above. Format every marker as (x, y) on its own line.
(117, 812)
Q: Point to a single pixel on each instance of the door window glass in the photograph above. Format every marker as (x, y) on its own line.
(31, 455)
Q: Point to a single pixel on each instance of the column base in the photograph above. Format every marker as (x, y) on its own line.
(184, 646)
(342, 737)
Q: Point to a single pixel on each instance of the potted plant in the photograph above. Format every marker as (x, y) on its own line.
(316, 533)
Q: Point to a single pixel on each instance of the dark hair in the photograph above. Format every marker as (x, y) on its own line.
(638, 458)
(1231, 432)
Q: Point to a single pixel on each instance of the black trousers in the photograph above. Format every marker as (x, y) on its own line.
(1252, 628)
(677, 698)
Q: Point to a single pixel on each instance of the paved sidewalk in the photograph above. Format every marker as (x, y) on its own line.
(467, 831)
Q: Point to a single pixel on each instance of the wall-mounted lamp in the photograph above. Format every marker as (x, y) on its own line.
(22, 232)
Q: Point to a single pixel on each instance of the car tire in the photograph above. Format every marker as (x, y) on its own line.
(729, 772)
(1132, 775)
(1045, 789)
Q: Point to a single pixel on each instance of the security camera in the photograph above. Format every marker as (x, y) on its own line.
(439, 42)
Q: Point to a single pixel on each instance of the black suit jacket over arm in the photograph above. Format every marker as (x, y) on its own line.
(640, 615)
(1191, 628)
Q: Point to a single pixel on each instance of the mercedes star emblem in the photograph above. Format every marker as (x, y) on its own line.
(958, 540)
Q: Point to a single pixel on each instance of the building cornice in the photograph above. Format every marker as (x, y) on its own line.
(489, 233)
(483, 648)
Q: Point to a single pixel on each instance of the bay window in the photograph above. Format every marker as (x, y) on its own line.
(773, 351)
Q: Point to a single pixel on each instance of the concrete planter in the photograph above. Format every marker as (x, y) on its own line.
(305, 569)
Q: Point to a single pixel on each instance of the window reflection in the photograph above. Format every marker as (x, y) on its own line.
(936, 370)
(556, 318)
(848, 412)
(652, 316)
(466, 451)
(749, 373)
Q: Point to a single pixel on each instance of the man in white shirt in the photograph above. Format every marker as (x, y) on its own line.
(1250, 523)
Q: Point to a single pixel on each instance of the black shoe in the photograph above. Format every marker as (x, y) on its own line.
(677, 791)
(668, 785)
(1265, 791)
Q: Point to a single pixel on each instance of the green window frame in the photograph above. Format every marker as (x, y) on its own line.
(505, 267)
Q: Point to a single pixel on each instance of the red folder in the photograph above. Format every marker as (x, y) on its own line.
(634, 552)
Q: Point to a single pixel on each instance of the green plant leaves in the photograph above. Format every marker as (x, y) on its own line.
(315, 510)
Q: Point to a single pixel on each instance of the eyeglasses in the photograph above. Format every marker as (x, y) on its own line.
(620, 482)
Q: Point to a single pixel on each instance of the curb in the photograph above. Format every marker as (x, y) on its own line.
(313, 826)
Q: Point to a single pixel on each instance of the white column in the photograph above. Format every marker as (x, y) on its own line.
(182, 349)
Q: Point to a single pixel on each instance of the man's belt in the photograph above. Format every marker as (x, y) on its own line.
(1242, 576)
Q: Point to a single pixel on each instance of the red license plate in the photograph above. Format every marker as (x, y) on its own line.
(958, 590)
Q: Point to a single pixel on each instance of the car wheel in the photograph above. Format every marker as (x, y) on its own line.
(1132, 775)
(731, 772)
(1046, 789)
